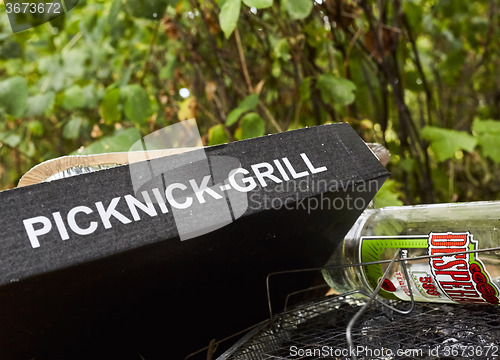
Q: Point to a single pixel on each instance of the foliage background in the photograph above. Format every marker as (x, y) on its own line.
(419, 76)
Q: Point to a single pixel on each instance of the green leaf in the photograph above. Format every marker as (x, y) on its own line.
(237, 134)
(74, 63)
(234, 116)
(70, 4)
(10, 50)
(167, 72)
(110, 108)
(484, 126)
(298, 9)
(488, 137)
(252, 126)
(388, 195)
(282, 50)
(149, 9)
(229, 14)
(413, 11)
(316, 34)
(217, 135)
(11, 139)
(336, 90)
(35, 127)
(259, 4)
(120, 141)
(452, 66)
(40, 104)
(445, 143)
(413, 81)
(14, 96)
(249, 103)
(409, 164)
(114, 11)
(72, 128)
(137, 105)
(73, 98)
(187, 109)
(28, 148)
(126, 75)
(92, 95)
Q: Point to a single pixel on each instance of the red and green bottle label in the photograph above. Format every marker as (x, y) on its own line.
(448, 276)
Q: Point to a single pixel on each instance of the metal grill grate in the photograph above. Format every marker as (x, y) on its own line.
(361, 326)
(318, 330)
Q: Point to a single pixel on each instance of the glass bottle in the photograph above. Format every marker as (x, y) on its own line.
(445, 237)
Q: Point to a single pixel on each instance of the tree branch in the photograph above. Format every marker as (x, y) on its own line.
(243, 60)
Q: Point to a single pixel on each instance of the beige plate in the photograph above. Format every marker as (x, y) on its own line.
(66, 166)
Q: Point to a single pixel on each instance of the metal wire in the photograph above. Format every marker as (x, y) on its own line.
(432, 331)
(363, 308)
(436, 328)
(344, 266)
(285, 307)
(372, 297)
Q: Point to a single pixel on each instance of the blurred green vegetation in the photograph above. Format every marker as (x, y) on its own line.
(419, 76)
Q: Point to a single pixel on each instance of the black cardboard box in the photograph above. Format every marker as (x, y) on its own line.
(101, 276)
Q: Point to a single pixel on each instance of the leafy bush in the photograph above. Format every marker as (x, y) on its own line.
(419, 76)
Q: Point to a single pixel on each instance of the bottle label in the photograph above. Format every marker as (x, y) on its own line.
(450, 274)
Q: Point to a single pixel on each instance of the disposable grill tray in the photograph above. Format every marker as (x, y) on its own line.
(430, 331)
